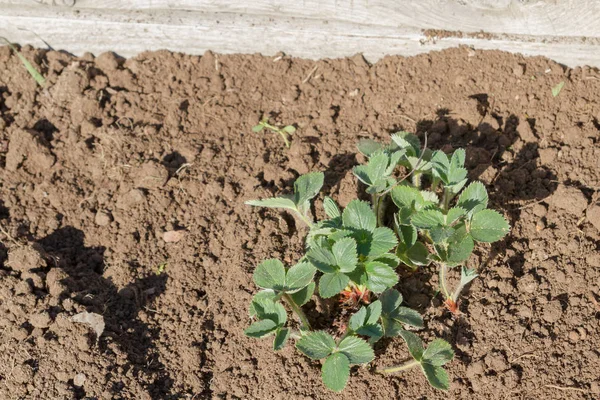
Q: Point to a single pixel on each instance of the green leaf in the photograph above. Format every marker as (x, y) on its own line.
(299, 276)
(307, 187)
(357, 350)
(345, 253)
(368, 147)
(427, 219)
(408, 236)
(274, 202)
(408, 316)
(335, 372)
(380, 276)
(263, 295)
(436, 376)
(407, 197)
(460, 246)
(414, 343)
(474, 198)
(454, 214)
(388, 259)
(458, 159)
(390, 301)
(270, 274)
(331, 208)
(261, 328)
(467, 275)
(430, 197)
(438, 353)
(358, 215)
(268, 309)
(556, 89)
(488, 226)
(417, 255)
(322, 259)
(440, 234)
(358, 319)
(408, 141)
(391, 327)
(289, 129)
(331, 284)
(316, 345)
(28, 66)
(373, 331)
(303, 296)
(440, 165)
(281, 338)
(366, 316)
(383, 240)
(257, 128)
(373, 312)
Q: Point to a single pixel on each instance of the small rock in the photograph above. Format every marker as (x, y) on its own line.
(93, 320)
(79, 380)
(102, 218)
(40, 321)
(173, 236)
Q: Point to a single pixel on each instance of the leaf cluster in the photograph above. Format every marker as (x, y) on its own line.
(434, 217)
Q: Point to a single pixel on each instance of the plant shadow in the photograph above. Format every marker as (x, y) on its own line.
(85, 285)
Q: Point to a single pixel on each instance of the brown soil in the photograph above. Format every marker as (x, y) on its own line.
(95, 170)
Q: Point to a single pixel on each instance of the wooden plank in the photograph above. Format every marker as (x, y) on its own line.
(307, 28)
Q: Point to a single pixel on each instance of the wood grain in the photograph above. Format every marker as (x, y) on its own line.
(567, 31)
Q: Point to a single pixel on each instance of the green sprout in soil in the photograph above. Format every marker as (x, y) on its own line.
(30, 68)
(433, 218)
(285, 132)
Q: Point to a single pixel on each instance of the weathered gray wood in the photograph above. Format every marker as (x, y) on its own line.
(567, 31)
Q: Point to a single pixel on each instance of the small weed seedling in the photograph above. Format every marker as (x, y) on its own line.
(285, 132)
(353, 254)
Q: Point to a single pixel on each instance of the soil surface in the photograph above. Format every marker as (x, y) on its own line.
(115, 153)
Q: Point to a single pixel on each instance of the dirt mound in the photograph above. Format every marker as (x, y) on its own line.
(115, 153)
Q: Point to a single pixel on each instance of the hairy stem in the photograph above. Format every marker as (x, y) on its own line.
(304, 324)
(304, 219)
(379, 204)
(402, 367)
(443, 280)
(416, 179)
(434, 184)
(446, 199)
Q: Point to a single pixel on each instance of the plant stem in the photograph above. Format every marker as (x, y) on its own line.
(403, 367)
(285, 139)
(434, 184)
(446, 199)
(416, 178)
(304, 324)
(377, 200)
(304, 219)
(443, 278)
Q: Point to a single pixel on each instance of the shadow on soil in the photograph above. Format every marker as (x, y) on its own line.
(84, 267)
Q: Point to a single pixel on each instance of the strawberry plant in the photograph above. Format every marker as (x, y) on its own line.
(433, 218)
